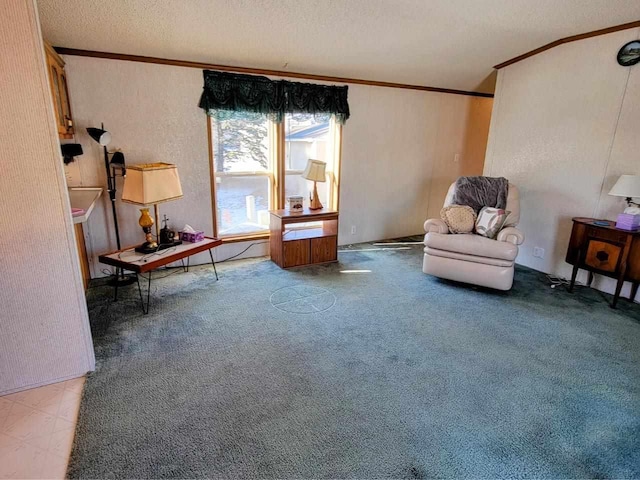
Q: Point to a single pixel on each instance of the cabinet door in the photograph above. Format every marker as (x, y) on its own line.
(64, 100)
(603, 255)
(54, 80)
(295, 252)
(324, 249)
(59, 94)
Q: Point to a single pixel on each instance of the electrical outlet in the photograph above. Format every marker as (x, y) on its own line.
(353, 229)
(456, 158)
(538, 252)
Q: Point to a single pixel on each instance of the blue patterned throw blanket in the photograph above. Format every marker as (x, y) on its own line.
(478, 192)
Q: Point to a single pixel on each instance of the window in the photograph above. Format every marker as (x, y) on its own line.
(243, 173)
(254, 174)
(307, 136)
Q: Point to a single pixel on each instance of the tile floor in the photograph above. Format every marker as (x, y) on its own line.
(36, 430)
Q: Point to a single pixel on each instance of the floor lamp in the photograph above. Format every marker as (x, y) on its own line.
(103, 137)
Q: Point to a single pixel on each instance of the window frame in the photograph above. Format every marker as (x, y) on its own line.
(277, 175)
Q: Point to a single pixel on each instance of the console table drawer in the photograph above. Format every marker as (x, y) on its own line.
(604, 234)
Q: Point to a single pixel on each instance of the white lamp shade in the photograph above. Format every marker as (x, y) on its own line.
(151, 183)
(315, 171)
(626, 186)
(105, 139)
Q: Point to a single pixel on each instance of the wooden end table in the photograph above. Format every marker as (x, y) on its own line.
(605, 250)
(293, 244)
(129, 259)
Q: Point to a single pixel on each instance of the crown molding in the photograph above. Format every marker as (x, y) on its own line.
(260, 71)
(572, 38)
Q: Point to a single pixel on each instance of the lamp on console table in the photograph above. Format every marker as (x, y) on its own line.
(315, 172)
(628, 186)
(151, 184)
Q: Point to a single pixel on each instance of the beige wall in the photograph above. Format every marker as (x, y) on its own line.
(398, 148)
(463, 129)
(152, 114)
(44, 330)
(564, 127)
(399, 152)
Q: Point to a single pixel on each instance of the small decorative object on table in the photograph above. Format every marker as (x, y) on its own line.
(296, 203)
(189, 234)
(628, 221)
(168, 236)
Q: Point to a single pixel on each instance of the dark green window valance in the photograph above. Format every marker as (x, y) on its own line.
(236, 92)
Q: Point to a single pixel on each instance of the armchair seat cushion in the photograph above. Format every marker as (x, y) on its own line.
(470, 244)
(473, 259)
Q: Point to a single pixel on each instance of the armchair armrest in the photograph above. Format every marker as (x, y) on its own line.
(435, 225)
(511, 235)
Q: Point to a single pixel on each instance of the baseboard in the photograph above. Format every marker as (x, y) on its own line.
(41, 384)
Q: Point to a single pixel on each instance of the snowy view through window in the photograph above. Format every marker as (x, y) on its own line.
(244, 170)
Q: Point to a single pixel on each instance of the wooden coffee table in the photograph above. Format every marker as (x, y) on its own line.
(139, 263)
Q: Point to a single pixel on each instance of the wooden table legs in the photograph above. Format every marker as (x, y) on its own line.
(619, 284)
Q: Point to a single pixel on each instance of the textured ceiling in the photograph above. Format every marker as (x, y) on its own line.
(439, 43)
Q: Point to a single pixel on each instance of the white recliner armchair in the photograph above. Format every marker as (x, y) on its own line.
(472, 258)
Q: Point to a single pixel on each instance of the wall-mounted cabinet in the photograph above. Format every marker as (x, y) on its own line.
(59, 92)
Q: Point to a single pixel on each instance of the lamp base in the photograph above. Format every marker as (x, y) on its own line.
(632, 209)
(315, 200)
(146, 249)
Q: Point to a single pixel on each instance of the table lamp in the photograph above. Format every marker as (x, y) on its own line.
(628, 186)
(315, 172)
(151, 184)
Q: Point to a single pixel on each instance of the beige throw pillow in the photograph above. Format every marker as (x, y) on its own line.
(459, 218)
(490, 221)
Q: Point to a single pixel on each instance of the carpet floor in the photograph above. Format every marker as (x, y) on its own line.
(380, 372)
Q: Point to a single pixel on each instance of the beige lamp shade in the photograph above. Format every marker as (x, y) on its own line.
(315, 171)
(151, 183)
(627, 186)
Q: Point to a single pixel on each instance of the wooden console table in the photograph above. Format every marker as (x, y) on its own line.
(293, 244)
(605, 250)
(129, 259)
